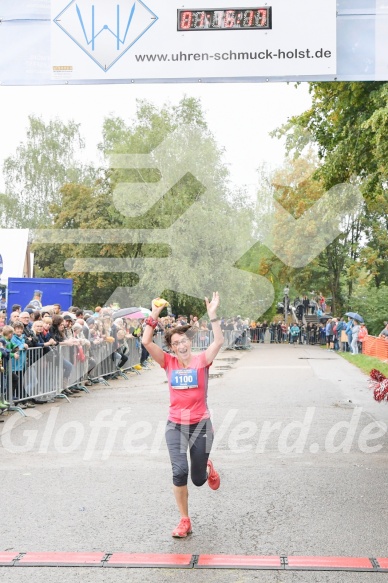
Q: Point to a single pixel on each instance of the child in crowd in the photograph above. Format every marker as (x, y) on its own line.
(9, 351)
(5, 354)
(19, 364)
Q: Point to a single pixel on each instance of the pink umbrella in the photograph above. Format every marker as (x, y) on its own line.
(144, 313)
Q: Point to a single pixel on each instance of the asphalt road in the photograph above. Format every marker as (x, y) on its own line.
(301, 448)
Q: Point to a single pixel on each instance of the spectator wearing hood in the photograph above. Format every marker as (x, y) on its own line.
(68, 321)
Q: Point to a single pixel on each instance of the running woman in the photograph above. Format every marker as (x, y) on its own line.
(189, 426)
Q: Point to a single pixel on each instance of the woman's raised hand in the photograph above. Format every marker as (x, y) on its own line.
(212, 305)
(158, 304)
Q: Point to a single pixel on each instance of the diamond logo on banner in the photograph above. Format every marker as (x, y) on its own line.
(105, 29)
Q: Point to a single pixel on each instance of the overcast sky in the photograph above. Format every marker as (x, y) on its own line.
(239, 115)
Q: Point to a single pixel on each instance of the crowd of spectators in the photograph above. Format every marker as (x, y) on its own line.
(345, 334)
(278, 332)
(79, 330)
(82, 330)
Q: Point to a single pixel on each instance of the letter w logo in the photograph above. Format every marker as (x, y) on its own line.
(105, 29)
(114, 29)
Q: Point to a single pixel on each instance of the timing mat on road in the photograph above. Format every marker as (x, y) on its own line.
(190, 561)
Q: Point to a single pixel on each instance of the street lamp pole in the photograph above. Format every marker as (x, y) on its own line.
(286, 291)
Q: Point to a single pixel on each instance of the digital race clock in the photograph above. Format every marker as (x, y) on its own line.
(225, 19)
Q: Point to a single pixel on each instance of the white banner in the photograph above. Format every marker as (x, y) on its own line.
(13, 252)
(150, 39)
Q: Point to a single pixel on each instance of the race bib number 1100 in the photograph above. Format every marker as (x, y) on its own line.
(186, 378)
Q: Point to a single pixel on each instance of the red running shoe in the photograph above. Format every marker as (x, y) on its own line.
(183, 528)
(213, 477)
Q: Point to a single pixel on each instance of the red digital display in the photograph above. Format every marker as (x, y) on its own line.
(225, 19)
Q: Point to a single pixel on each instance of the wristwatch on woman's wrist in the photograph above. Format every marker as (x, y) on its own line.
(214, 319)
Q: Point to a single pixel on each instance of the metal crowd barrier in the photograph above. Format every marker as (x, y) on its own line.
(105, 366)
(5, 382)
(237, 340)
(280, 336)
(79, 371)
(32, 375)
(255, 334)
(133, 354)
(233, 339)
(159, 340)
(202, 339)
(38, 376)
(312, 337)
(107, 363)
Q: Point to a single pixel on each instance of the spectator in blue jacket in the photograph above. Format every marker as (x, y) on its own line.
(341, 327)
(294, 333)
(19, 363)
(348, 331)
(329, 334)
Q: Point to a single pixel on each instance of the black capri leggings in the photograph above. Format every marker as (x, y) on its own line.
(199, 439)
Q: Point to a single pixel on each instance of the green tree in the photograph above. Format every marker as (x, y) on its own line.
(200, 227)
(372, 303)
(9, 212)
(348, 122)
(45, 161)
(81, 207)
(296, 186)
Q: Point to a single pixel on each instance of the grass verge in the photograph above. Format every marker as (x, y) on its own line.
(366, 363)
